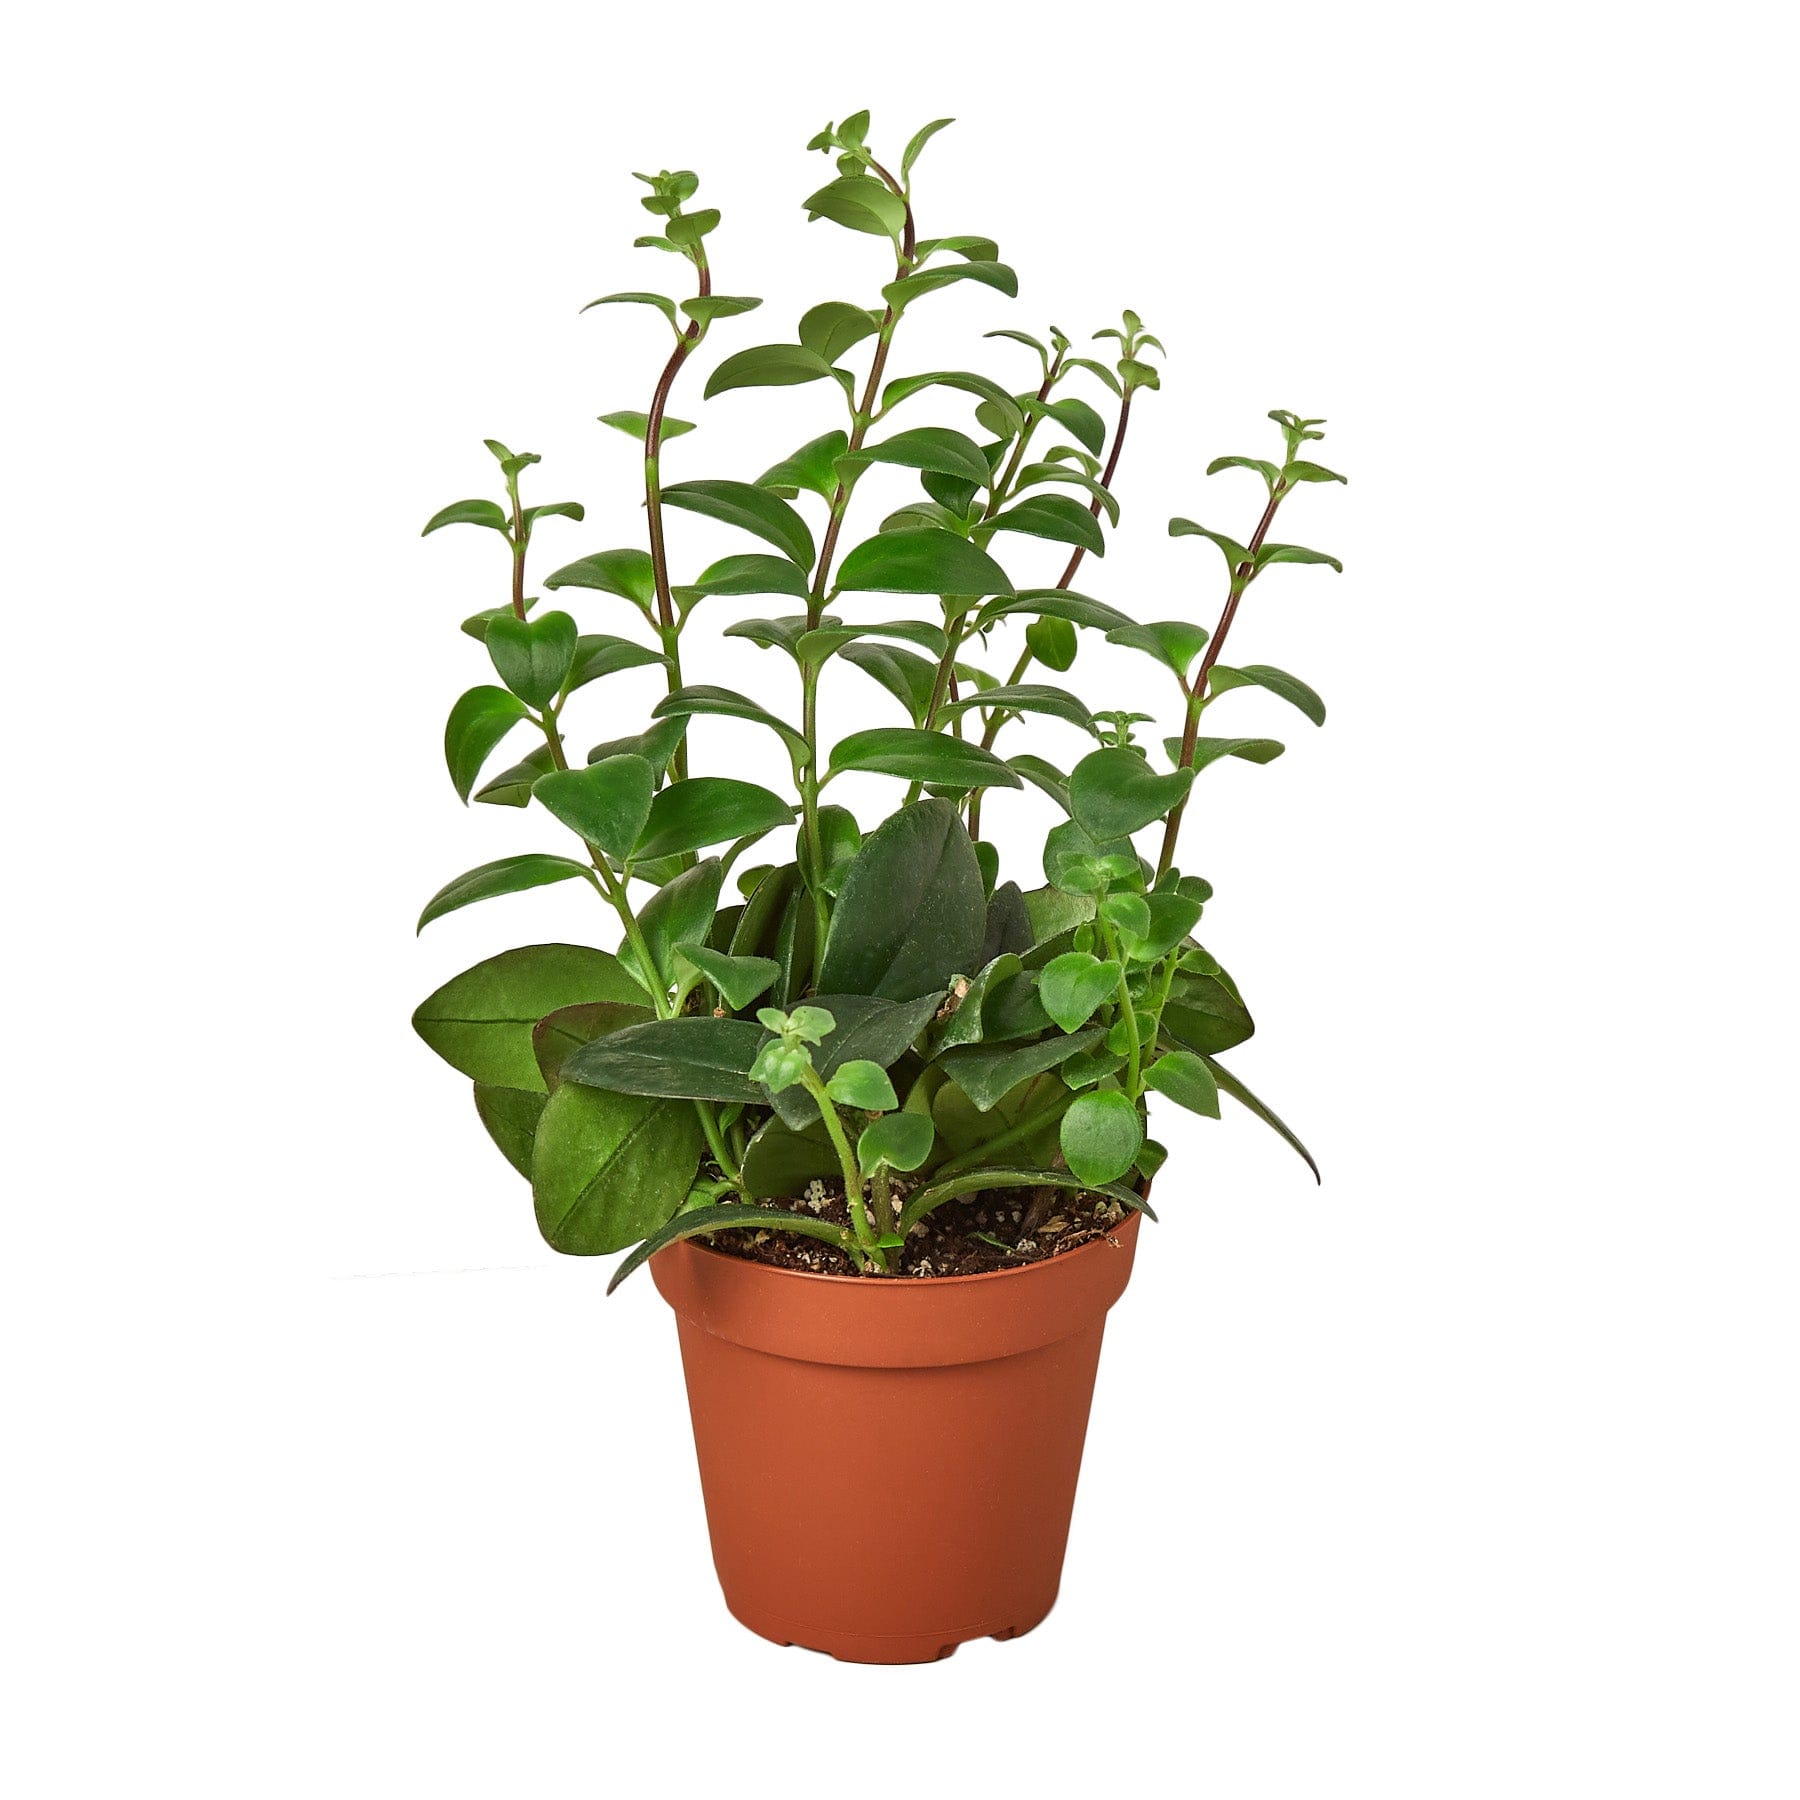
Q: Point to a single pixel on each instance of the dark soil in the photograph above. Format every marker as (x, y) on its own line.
(1002, 1230)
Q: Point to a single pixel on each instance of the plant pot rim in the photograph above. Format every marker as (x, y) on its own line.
(1107, 1240)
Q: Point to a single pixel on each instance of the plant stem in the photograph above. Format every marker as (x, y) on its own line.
(1106, 479)
(853, 1188)
(1241, 577)
(709, 1123)
(1028, 1127)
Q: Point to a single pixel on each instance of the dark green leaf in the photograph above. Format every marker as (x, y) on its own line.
(771, 634)
(739, 979)
(1052, 603)
(1052, 642)
(606, 803)
(966, 1025)
(1026, 697)
(609, 1168)
(977, 1181)
(1230, 1084)
(750, 508)
(933, 447)
(1054, 516)
(627, 573)
(749, 573)
(767, 365)
(1113, 793)
(1077, 418)
(1101, 1135)
(477, 723)
(986, 1072)
(689, 1058)
(911, 913)
(481, 1020)
(926, 560)
(724, 703)
(909, 678)
(557, 509)
(532, 656)
(655, 745)
(921, 756)
(511, 1117)
(512, 787)
(596, 655)
(510, 875)
(1036, 473)
(780, 1162)
(961, 379)
(679, 914)
(832, 636)
(468, 512)
(729, 1216)
(709, 809)
(1205, 1012)
(558, 1035)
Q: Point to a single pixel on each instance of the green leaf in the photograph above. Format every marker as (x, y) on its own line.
(987, 1073)
(597, 655)
(1312, 471)
(1113, 793)
(510, 875)
(750, 508)
(739, 979)
(1294, 553)
(690, 228)
(510, 1116)
(709, 809)
(1076, 417)
(933, 447)
(627, 573)
(773, 634)
(921, 756)
(1187, 1080)
(609, 1168)
(1267, 470)
(1035, 473)
(725, 703)
(1056, 517)
(689, 1058)
(1052, 642)
(558, 1035)
(1172, 917)
(661, 302)
(1211, 749)
(729, 1216)
(899, 294)
(746, 573)
(864, 1085)
(930, 1198)
(476, 624)
(1052, 603)
(767, 365)
(532, 656)
(1101, 1136)
(557, 509)
(477, 723)
(1278, 682)
(1026, 697)
(901, 1140)
(655, 746)
(813, 467)
(707, 307)
(1205, 1013)
(861, 203)
(679, 914)
(469, 512)
(833, 327)
(1044, 776)
(606, 803)
(909, 156)
(637, 425)
(1074, 985)
(982, 249)
(861, 1029)
(512, 787)
(481, 1020)
(912, 912)
(1235, 553)
(832, 636)
(909, 678)
(926, 560)
(1174, 643)
(1230, 1084)
(966, 1024)
(840, 838)
(961, 379)
(779, 1161)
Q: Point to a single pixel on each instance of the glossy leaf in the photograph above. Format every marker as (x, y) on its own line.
(679, 914)
(750, 508)
(627, 573)
(965, 382)
(1294, 553)
(987, 1073)
(926, 560)
(834, 327)
(509, 875)
(965, 1025)
(477, 723)
(1235, 553)
(1101, 1135)
(689, 1058)
(1211, 750)
(1185, 1079)
(729, 1216)
(598, 655)
(768, 365)
(558, 1035)
(1052, 603)
(908, 288)
(708, 307)
(861, 203)
(1036, 473)
(606, 802)
(1277, 681)
(510, 1116)
(1053, 643)
(1229, 1083)
(709, 809)
(921, 756)
(655, 746)
(1074, 985)
(813, 467)
(749, 573)
(933, 447)
(1077, 418)
(532, 656)
(1175, 643)
(739, 979)
(481, 1020)
(512, 787)
(1056, 517)
(607, 1169)
(832, 636)
(469, 512)
(725, 703)
(900, 1141)
(909, 678)
(637, 425)
(1026, 697)
(1113, 793)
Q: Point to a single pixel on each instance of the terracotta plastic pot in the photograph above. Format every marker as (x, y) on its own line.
(889, 1466)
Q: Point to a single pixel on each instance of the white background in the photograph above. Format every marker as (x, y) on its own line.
(1471, 1473)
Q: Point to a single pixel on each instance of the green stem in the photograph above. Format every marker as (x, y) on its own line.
(715, 1141)
(853, 1188)
(1027, 1127)
(1127, 1011)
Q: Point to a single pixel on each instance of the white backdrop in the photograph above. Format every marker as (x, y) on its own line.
(1471, 1473)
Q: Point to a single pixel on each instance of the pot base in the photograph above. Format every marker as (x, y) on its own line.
(870, 1647)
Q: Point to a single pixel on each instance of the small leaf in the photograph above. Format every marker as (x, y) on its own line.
(469, 512)
(739, 979)
(767, 365)
(637, 425)
(1073, 985)
(1235, 553)
(1053, 603)
(557, 509)
(510, 875)
(477, 723)
(1114, 792)
(512, 787)
(606, 803)
(1052, 642)
(922, 561)
(1312, 471)
(1174, 643)
(678, 914)
(898, 294)
(1278, 682)
(1035, 473)
(979, 385)
(1210, 750)
(627, 573)
(1056, 517)
(921, 756)
(864, 1085)
(598, 655)
(901, 1140)
(1027, 697)
(813, 467)
(908, 157)
(709, 809)
(833, 327)
(750, 508)
(729, 1216)
(861, 203)
(724, 703)
(1187, 1080)
(532, 656)
(1294, 553)
(932, 447)
(987, 1073)
(708, 307)
(661, 302)
(1267, 470)
(1230, 1084)
(1076, 417)
(689, 1058)
(1101, 1135)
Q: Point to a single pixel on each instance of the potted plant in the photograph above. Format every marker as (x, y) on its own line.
(872, 1107)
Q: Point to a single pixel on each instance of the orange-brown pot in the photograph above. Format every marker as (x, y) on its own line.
(941, 1420)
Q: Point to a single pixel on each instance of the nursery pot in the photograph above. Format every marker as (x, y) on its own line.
(889, 1465)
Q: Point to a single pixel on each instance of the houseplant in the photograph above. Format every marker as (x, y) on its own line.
(876, 1108)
